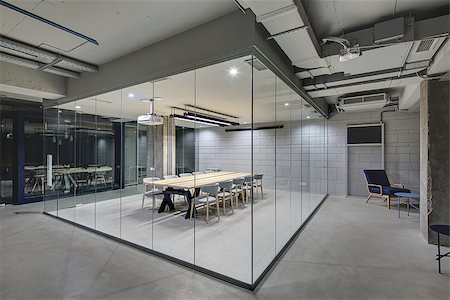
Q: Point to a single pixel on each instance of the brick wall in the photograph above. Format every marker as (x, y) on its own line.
(401, 150)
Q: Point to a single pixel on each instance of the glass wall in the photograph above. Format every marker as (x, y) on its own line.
(217, 167)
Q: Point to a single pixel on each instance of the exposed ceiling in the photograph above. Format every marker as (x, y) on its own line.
(387, 64)
(336, 17)
(212, 88)
(119, 27)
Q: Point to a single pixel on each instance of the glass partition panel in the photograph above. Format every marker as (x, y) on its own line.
(305, 162)
(264, 115)
(108, 200)
(296, 106)
(173, 230)
(51, 160)
(222, 233)
(283, 165)
(136, 144)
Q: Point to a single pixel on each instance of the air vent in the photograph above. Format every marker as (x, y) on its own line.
(365, 102)
(257, 64)
(425, 45)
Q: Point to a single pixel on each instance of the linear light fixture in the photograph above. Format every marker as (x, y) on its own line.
(206, 118)
(254, 128)
(183, 118)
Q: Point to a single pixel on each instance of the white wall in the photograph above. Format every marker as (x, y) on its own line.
(401, 148)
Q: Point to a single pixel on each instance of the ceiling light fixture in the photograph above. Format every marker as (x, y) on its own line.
(286, 104)
(77, 107)
(233, 71)
(130, 95)
(308, 117)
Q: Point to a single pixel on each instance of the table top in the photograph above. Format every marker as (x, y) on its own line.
(190, 182)
(407, 195)
(441, 228)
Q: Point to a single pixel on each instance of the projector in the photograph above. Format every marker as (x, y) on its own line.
(349, 53)
(150, 119)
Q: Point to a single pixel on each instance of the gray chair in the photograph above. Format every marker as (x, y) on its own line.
(257, 183)
(208, 194)
(150, 190)
(226, 193)
(238, 184)
(247, 186)
(170, 176)
(198, 173)
(184, 174)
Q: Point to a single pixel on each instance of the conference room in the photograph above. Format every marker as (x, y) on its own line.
(215, 168)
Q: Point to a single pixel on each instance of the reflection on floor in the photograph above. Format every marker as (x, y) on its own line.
(223, 246)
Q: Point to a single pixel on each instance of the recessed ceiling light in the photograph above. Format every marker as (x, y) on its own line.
(308, 117)
(59, 111)
(233, 71)
(130, 95)
(286, 104)
(245, 122)
(77, 107)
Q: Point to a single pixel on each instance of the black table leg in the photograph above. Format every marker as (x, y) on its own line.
(439, 254)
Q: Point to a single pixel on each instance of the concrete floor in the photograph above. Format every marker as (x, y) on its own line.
(208, 245)
(349, 250)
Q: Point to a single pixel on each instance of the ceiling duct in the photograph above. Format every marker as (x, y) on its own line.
(36, 65)
(365, 102)
(46, 57)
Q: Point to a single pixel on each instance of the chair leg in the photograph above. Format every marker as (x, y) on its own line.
(262, 196)
(368, 198)
(218, 208)
(143, 199)
(223, 203)
(388, 199)
(154, 202)
(207, 210)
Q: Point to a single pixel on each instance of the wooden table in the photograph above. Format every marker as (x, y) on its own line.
(193, 182)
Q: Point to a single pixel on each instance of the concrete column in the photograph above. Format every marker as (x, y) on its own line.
(434, 157)
(155, 151)
(161, 149)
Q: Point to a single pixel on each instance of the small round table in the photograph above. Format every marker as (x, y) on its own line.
(441, 229)
(408, 197)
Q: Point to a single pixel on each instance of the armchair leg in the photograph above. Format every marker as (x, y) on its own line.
(368, 198)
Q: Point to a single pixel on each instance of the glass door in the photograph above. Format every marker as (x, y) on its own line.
(53, 180)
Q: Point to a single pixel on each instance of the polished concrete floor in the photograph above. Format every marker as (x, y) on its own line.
(350, 250)
(221, 245)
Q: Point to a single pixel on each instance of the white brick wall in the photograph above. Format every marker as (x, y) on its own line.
(401, 150)
(297, 154)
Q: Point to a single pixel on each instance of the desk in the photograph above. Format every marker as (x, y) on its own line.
(192, 182)
(408, 197)
(445, 230)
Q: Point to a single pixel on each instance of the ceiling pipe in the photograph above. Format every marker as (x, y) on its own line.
(47, 56)
(36, 65)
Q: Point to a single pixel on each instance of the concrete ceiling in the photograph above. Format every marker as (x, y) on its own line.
(336, 17)
(120, 27)
(212, 88)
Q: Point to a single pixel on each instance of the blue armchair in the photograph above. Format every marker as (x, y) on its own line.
(378, 185)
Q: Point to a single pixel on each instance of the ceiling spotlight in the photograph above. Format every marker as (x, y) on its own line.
(308, 117)
(77, 107)
(233, 72)
(245, 122)
(286, 104)
(130, 95)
